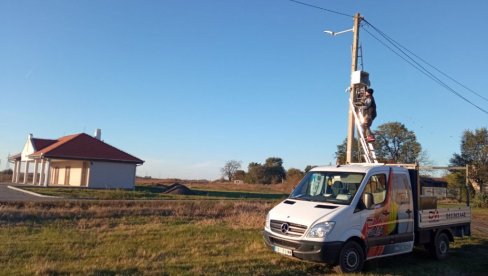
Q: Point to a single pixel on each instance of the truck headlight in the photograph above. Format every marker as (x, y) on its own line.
(268, 223)
(321, 229)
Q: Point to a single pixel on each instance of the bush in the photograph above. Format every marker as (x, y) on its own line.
(7, 172)
(481, 200)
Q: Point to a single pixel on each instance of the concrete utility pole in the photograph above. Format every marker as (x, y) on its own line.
(354, 67)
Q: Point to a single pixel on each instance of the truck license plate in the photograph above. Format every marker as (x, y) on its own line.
(282, 250)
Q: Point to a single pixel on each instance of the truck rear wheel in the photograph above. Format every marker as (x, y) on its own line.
(351, 258)
(440, 248)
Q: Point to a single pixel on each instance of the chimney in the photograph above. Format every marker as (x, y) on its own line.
(98, 134)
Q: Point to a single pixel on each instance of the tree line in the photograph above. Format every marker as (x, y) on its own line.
(394, 144)
(270, 172)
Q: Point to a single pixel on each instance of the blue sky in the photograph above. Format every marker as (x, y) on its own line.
(187, 85)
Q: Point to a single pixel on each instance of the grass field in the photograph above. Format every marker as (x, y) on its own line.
(191, 237)
(155, 192)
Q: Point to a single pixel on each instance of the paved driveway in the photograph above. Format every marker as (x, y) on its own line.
(7, 194)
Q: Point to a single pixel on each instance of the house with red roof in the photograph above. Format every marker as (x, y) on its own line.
(78, 160)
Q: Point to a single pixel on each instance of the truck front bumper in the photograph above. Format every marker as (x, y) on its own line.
(324, 252)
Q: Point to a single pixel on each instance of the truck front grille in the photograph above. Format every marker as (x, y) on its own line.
(284, 243)
(290, 229)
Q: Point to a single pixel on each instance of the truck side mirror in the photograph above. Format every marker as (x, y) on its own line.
(368, 200)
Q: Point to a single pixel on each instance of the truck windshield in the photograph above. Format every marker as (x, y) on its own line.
(334, 187)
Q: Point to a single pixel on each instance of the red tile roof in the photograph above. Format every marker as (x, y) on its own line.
(84, 147)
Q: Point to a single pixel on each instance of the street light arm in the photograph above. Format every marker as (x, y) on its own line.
(337, 33)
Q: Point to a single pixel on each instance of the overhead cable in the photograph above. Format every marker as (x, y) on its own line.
(403, 53)
(416, 65)
(320, 8)
(424, 61)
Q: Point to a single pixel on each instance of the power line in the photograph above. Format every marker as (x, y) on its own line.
(416, 65)
(424, 61)
(407, 58)
(444, 74)
(320, 8)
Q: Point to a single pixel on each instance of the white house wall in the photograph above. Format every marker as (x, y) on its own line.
(112, 175)
(27, 150)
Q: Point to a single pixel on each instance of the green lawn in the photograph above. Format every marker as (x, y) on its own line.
(152, 245)
(179, 238)
(149, 192)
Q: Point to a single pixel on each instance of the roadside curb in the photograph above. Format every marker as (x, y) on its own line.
(31, 193)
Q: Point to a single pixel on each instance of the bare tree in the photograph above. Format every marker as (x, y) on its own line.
(230, 169)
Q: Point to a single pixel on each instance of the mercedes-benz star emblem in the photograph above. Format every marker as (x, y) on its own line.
(284, 228)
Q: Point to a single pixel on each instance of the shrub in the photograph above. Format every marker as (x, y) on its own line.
(480, 200)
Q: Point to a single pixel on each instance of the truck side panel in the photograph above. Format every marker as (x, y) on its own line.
(444, 217)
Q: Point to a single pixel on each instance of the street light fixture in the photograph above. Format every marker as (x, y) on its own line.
(337, 33)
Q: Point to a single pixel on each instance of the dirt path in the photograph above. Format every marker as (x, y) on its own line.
(479, 223)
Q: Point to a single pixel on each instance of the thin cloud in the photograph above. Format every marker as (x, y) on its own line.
(30, 72)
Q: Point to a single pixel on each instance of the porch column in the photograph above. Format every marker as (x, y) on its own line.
(26, 171)
(14, 171)
(34, 177)
(17, 172)
(43, 172)
(48, 174)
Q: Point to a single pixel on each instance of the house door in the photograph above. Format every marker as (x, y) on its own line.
(66, 175)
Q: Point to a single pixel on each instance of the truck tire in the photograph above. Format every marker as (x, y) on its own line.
(351, 257)
(440, 248)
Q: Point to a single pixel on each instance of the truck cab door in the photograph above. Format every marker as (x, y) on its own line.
(382, 231)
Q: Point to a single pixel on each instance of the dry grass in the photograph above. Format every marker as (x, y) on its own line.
(285, 188)
(479, 225)
(180, 238)
(226, 186)
(145, 237)
(250, 213)
(5, 177)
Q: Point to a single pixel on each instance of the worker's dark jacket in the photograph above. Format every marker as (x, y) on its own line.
(369, 108)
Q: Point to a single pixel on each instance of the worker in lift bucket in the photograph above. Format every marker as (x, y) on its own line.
(368, 110)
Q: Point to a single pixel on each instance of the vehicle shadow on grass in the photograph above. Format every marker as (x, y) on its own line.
(467, 259)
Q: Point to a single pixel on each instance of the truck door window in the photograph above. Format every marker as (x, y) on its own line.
(402, 196)
(377, 187)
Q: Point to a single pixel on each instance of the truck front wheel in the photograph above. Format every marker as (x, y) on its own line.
(440, 248)
(351, 258)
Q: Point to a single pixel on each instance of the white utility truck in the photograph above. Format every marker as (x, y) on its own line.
(347, 214)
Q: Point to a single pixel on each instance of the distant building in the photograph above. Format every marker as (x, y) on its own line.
(78, 160)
